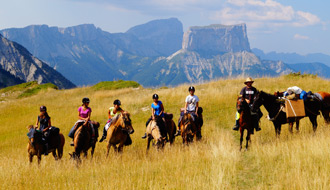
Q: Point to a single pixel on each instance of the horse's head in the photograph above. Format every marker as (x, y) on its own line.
(126, 122)
(240, 104)
(278, 94)
(186, 121)
(33, 135)
(257, 101)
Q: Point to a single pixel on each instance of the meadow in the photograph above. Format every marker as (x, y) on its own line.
(293, 161)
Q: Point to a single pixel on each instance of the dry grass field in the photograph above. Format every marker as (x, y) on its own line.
(294, 161)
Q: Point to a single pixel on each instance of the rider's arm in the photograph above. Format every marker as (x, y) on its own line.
(153, 112)
(185, 107)
(49, 125)
(109, 115)
(196, 108)
(162, 109)
(37, 123)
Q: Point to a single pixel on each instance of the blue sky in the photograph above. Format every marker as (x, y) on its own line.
(300, 26)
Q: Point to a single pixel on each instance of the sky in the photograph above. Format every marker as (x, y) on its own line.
(288, 26)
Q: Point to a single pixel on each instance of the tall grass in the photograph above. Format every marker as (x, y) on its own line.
(298, 161)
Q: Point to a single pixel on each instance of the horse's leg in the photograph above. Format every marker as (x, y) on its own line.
(54, 154)
(85, 154)
(121, 146)
(291, 127)
(247, 139)
(313, 120)
(297, 125)
(92, 151)
(39, 157)
(108, 149)
(241, 138)
(30, 158)
(148, 143)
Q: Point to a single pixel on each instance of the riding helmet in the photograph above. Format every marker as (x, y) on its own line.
(117, 102)
(191, 88)
(85, 100)
(43, 108)
(155, 96)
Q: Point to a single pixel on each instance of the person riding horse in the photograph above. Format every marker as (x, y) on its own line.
(191, 107)
(84, 115)
(248, 93)
(112, 113)
(45, 124)
(157, 109)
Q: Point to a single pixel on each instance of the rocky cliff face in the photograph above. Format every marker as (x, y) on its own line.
(216, 39)
(7, 79)
(16, 60)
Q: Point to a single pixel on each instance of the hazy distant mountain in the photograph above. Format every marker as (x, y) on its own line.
(17, 61)
(293, 57)
(320, 69)
(86, 54)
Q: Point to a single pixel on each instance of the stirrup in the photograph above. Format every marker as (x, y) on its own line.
(145, 136)
(177, 133)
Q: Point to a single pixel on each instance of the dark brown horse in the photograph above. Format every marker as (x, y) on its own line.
(188, 129)
(170, 127)
(83, 139)
(153, 132)
(325, 106)
(36, 146)
(118, 132)
(278, 117)
(245, 120)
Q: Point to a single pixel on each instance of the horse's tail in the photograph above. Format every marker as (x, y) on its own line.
(61, 145)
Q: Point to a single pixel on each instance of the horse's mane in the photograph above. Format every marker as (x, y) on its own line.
(268, 96)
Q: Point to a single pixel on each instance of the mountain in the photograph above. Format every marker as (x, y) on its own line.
(7, 79)
(21, 64)
(153, 54)
(320, 69)
(86, 55)
(207, 53)
(293, 57)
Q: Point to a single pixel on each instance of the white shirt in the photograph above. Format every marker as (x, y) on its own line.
(192, 101)
(294, 89)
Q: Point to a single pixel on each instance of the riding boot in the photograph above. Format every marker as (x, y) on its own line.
(178, 132)
(46, 149)
(144, 136)
(104, 136)
(236, 126)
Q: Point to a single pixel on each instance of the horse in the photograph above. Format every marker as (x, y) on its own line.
(170, 127)
(83, 139)
(278, 116)
(118, 132)
(153, 132)
(188, 129)
(245, 121)
(325, 106)
(36, 146)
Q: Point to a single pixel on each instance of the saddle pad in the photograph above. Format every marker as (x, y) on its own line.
(295, 108)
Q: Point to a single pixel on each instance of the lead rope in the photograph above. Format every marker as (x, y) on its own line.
(279, 111)
(292, 109)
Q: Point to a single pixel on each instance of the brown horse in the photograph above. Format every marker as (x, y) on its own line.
(83, 139)
(325, 106)
(245, 121)
(153, 132)
(118, 132)
(188, 129)
(36, 147)
(170, 127)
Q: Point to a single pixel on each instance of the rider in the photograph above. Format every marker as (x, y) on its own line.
(45, 124)
(84, 115)
(113, 112)
(191, 107)
(248, 92)
(157, 108)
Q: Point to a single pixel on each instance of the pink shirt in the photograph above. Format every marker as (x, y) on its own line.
(83, 113)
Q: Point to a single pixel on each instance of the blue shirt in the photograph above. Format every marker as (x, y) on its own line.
(158, 108)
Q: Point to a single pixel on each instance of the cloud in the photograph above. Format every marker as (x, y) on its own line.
(264, 13)
(300, 37)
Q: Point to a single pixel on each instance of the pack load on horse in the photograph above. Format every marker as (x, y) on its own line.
(45, 140)
(157, 109)
(119, 132)
(245, 120)
(248, 93)
(112, 113)
(153, 131)
(195, 114)
(277, 111)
